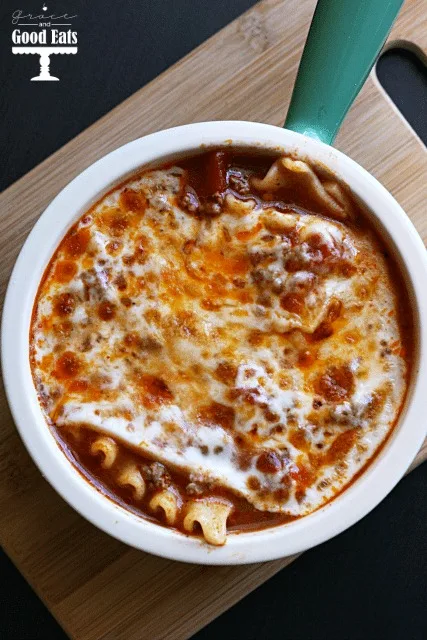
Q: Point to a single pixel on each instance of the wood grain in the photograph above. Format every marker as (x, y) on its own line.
(96, 587)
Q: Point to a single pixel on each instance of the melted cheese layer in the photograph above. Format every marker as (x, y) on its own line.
(258, 350)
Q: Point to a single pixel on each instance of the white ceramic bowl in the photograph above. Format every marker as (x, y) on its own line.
(66, 208)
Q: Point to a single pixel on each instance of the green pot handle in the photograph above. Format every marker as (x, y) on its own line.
(344, 41)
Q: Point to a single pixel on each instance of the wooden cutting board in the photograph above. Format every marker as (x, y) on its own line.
(97, 587)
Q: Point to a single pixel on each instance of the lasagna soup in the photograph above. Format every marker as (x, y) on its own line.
(222, 344)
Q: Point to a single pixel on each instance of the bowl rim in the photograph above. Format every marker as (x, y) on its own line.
(268, 544)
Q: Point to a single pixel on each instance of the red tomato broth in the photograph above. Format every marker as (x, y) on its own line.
(209, 174)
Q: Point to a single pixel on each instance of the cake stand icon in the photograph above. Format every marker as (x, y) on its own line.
(44, 54)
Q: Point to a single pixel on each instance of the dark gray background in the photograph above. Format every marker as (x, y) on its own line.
(369, 582)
